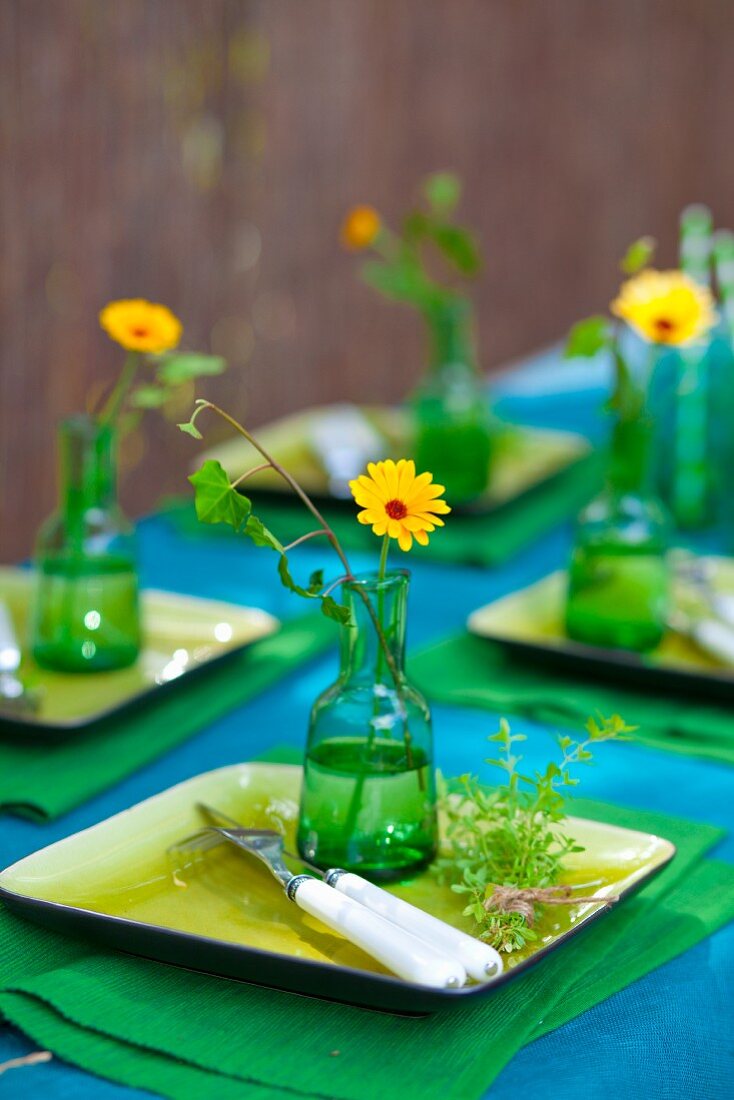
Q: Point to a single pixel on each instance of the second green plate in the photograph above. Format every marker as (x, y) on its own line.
(530, 622)
(181, 634)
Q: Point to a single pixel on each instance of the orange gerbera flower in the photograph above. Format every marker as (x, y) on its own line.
(360, 227)
(141, 326)
(397, 503)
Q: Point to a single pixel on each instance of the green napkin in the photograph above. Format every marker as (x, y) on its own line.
(183, 1034)
(472, 540)
(44, 778)
(470, 671)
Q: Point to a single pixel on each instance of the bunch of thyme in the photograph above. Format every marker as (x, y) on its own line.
(509, 835)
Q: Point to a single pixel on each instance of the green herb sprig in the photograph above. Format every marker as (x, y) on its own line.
(508, 835)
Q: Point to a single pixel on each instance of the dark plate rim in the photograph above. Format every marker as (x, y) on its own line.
(614, 661)
(431, 999)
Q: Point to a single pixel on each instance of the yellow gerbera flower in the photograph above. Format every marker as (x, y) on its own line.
(360, 227)
(397, 503)
(141, 326)
(665, 307)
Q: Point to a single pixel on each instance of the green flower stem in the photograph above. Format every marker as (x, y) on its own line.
(249, 473)
(114, 403)
(383, 557)
(336, 545)
(304, 538)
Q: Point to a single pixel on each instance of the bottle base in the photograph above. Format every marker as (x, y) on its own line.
(638, 639)
(378, 871)
(51, 659)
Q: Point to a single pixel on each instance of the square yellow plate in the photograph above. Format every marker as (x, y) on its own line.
(116, 884)
(530, 621)
(181, 635)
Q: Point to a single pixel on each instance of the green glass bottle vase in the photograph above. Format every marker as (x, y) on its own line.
(85, 616)
(618, 580)
(368, 800)
(452, 424)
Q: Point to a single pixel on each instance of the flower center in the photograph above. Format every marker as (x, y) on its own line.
(396, 509)
(664, 326)
(140, 331)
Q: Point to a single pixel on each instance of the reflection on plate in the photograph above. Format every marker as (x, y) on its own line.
(181, 634)
(116, 884)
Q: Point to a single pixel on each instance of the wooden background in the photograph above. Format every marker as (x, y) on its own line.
(202, 153)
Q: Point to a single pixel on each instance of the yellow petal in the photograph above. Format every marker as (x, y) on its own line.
(421, 537)
(391, 478)
(429, 493)
(377, 472)
(405, 541)
(406, 478)
(416, 523)
(369, 500)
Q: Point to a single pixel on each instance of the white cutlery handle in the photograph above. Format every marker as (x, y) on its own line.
(404, 954)
(478, 959)
(716, 639)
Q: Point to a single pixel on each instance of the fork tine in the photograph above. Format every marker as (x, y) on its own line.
(197, 842)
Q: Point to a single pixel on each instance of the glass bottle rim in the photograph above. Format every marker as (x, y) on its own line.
(370, 582)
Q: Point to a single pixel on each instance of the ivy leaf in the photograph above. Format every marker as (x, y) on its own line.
(184, 366)
(287, 580)
(443, 191)
(588, 337)
(400, 281)
(329, 606)
(333, 610)
(458, 246)
(216, 500)
(316, 580)
(259, 534)
(190, 429)
(148, 397)
(638, 255)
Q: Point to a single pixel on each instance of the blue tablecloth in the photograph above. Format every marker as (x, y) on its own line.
(668, 1036)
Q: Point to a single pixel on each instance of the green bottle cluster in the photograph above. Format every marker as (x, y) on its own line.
(453, 431)
(85, 614)
(368, 802)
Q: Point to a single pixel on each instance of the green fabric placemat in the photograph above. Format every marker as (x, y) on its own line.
(183, 1034)
(470, 671)
(471, 540)
(44, 778)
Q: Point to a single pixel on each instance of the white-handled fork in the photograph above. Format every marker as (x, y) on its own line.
(405, 954)
(479, 960)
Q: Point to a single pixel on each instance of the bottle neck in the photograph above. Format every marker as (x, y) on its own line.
(88, 467)
(363, 655)
(452, 336)
(629, 468)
